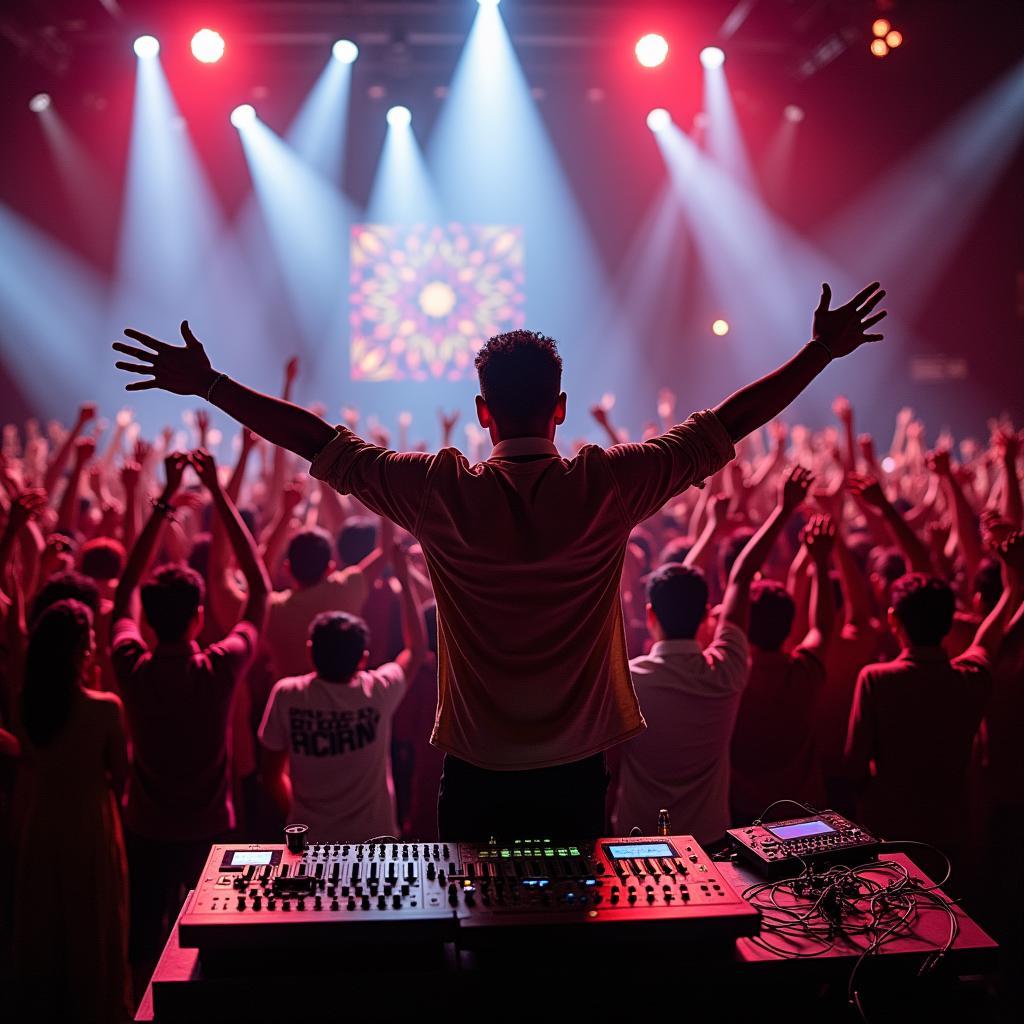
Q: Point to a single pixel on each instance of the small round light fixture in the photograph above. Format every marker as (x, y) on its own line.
(651, 50)
(146, 47)
(659, 119)
(207, 46)
(399, 117)
(345, 51)
(243, 115)
(712, 57)
(40, 102)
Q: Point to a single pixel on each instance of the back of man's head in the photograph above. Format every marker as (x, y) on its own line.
(356, 539)
(171, 599)
(678, 596)
(309, 556)
(337, 643)
(63, 586)
(772, 611)
(520, 380)
(102, 558)
(923, 606)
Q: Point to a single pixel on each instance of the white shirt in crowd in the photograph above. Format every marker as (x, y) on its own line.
(338, 739)
(689, 699)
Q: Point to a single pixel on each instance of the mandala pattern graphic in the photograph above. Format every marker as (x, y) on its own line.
(424, 299)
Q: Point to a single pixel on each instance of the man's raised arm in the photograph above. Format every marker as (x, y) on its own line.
(186, 370)
(836, 333)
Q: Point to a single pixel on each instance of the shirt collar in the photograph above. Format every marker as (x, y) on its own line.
(516, 446)
(923, 654)
(679, 646)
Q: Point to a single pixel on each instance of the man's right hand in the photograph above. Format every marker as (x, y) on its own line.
(180, 370)
(844, 329)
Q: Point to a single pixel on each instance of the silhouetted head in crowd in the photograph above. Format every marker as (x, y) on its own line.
(730, 551)
(199, 554)
(645, 543)
(102, 559)
(886, 566)
(356, 540)
(520, 380)
(309, 556)
(65, 585)
(60, 647)
(172, 599)
(922, 609)
(338, 645)
(677, 601)
(675, 551)
(772, 611)
(988, 585)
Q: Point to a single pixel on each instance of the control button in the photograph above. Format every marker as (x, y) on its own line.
(366, 903)
(351, 905)
(396, 901)
(241, 902)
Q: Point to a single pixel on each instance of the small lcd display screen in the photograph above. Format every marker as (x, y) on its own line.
(243, 858)
(620, 851)
(801, 829)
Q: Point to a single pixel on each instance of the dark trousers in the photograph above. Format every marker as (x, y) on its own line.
(160, 873)
(564, 802)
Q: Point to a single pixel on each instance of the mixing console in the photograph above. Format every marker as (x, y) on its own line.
(475, 894)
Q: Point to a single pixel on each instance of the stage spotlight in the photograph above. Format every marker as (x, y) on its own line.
(207, 46)
(243, 115)
(40, 102)
(651, 50)
(879, 47)
(712, 57)
(793, 113)
(720, 327)
(345, 50)
(488, 3)
(399, 117)
(146, 47)
(880, 27)
(659, 119)
(893, 39)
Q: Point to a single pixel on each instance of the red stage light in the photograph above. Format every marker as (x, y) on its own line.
(879, 47)
(207, 46)
(880, 27)
(651, 50)
(894, 39)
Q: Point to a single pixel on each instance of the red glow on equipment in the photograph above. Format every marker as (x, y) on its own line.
(207, 46)
(651, 50)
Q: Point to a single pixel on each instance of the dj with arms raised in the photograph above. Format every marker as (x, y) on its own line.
(525, 552)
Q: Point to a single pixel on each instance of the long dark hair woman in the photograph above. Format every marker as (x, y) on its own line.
(70, 884)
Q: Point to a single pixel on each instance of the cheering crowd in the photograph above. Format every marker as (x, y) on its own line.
(197, 653)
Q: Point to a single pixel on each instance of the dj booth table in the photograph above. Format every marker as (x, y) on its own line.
(539, 979)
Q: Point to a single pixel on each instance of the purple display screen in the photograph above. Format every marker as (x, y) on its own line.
(801, 829)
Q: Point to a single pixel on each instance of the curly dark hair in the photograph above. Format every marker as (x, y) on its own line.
(924, 606)
(520, 377)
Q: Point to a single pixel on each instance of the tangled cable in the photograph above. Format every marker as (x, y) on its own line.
(876, 903)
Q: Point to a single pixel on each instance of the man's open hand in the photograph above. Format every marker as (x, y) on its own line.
(844, 329)
(181, 370)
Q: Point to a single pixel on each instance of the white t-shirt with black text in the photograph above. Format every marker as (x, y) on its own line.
(338, 739)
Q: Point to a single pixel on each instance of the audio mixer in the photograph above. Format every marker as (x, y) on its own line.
(474, 894)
